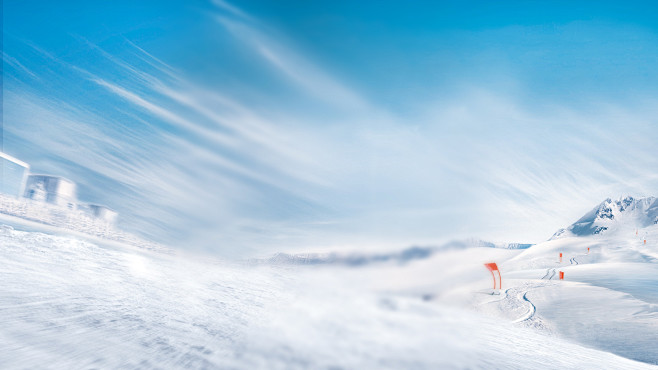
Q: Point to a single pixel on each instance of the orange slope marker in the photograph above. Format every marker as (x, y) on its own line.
(493, 267)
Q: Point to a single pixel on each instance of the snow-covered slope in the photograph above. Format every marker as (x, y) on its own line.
(609, 297)
(67, 304)
(625, 212)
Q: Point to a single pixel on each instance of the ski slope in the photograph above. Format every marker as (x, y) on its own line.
(73, 304)
(609, 298)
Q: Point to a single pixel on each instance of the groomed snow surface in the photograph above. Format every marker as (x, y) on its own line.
(66, 303)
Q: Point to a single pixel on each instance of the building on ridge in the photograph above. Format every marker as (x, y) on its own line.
(99, 212)
(13, 175)
(51, 189)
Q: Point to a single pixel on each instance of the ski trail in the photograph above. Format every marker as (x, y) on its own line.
(516, 305)
(531, 309)
(552, 274)
(573, 259)
(550, 271)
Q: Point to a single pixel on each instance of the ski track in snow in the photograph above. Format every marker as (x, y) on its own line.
(516, 297)
(573, 260)
(522, 296)
(532, 309)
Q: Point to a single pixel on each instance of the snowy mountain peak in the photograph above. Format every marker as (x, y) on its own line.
(625, 211)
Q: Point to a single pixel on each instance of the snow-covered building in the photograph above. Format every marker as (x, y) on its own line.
(13, 175)
(51, 189)
(99, 212)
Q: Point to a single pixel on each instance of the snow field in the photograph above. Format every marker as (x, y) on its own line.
(73, 304)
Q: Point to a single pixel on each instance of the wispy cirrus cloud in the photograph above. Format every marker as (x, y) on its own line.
(290, 63)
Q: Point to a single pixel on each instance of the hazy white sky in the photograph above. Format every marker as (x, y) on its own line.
(246, 128)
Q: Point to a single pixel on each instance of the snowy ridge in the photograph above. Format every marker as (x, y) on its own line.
(361, 259)
(28, 214)
(625, 212)
(404, 256)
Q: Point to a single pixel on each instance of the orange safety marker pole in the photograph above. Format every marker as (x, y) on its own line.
(587, 250)
(500, 281)
(560, 257)
(561, 275)
(645, 241)
(493, 267)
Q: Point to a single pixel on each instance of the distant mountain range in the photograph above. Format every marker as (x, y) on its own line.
(610, 214)
(361, 259)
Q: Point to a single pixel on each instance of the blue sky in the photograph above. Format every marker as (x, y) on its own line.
(248, 127)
